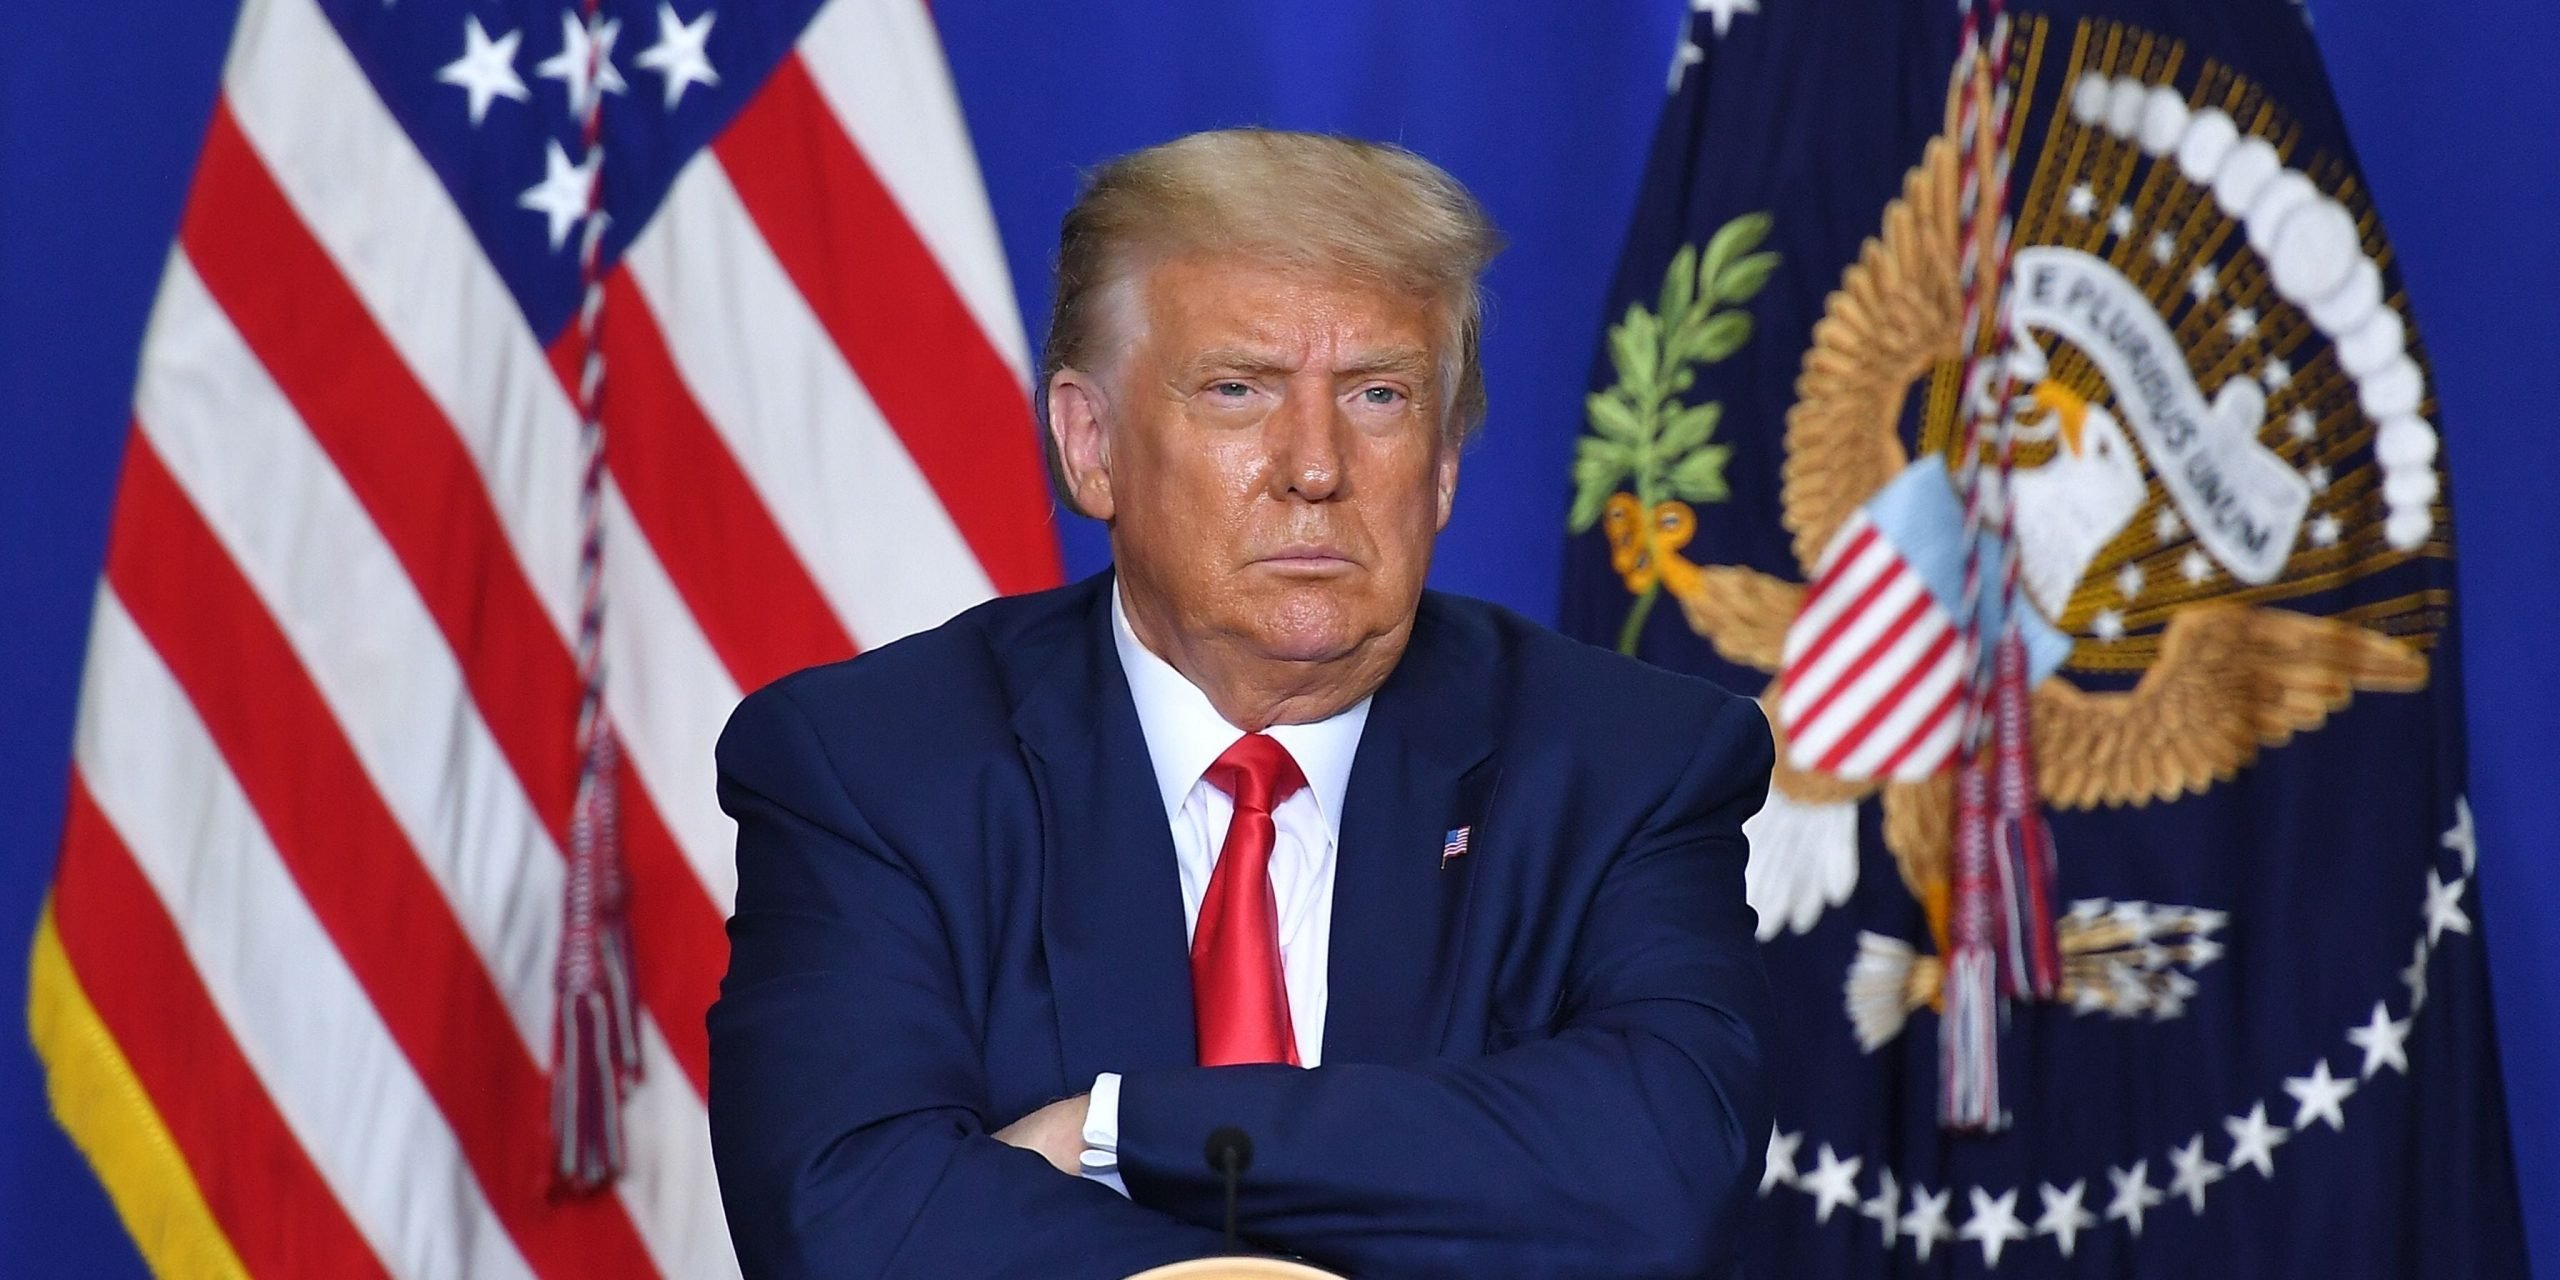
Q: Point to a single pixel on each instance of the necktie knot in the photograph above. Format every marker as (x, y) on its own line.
(1257, 773)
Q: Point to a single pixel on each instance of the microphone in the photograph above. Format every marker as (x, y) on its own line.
(1230, 1153)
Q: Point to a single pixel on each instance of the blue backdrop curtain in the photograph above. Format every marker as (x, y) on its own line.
(1545, 108)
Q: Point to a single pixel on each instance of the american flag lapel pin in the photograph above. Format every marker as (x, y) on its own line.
(1454, 847)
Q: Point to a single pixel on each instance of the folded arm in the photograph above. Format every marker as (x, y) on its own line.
(849, 1109)
(1624, 1144)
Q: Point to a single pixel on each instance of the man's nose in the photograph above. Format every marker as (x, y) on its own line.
(1307, 446)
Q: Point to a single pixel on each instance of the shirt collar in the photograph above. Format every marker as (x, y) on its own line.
(1185, 734)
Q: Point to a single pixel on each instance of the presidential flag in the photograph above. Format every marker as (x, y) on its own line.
(2058, 347)
(527, 381)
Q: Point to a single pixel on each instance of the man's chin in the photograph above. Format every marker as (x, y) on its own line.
(1306, 649)
(1305, 626)
(1315, 635)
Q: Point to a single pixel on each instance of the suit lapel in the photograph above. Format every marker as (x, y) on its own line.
(1425, 767)
(1111, 896)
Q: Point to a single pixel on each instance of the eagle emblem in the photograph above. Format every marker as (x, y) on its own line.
(2191, 463)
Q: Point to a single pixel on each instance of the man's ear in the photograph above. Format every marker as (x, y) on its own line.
(1077, 412)
(1446, 480)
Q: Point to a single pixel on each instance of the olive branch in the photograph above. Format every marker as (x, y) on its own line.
(1644, 438)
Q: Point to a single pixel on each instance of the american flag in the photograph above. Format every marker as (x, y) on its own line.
(1455, 845)
(295, 987)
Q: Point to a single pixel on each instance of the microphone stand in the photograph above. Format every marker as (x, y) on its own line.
(1230, 1153)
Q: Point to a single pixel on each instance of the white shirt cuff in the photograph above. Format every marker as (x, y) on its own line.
(1101, 1158)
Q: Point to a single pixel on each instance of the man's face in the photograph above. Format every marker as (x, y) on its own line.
(1270, 456)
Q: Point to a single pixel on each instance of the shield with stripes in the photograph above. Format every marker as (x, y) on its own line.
(1872, 672)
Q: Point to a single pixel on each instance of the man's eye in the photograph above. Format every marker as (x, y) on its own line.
(1230, 389)
(1382, 395)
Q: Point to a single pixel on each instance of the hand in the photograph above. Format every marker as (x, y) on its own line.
(1055, 1132)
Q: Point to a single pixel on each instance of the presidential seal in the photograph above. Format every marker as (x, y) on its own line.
(2188, 469)
(2230, 541)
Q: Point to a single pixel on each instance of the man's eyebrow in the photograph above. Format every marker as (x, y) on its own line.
(1234, 359)
(1410, 361)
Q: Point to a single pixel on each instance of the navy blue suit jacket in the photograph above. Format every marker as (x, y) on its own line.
(957, 901)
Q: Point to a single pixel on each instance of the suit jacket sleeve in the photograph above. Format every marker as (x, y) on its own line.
(848, 1108)
(1624, 1144)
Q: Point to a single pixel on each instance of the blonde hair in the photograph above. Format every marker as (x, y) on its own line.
(1370, 211)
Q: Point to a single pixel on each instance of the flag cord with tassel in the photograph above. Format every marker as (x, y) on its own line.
(2000, 918)
(597, 1055)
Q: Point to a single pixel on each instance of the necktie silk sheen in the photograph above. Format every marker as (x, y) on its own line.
(1240, 1000)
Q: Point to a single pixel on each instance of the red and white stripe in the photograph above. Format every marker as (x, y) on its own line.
(313, 871)
(1871, 674)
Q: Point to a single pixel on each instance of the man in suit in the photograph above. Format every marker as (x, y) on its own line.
(1442, 909)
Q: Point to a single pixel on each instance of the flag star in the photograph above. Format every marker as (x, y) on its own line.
(2277, 375)
(2459, 837)
(1721, 11)
(2163, 247)
(2166, 526)
(2444, 906)
(2203, 282)
(2324, 530)
(563, 194)
(1833, 1184)
(2120, 223)
(2385, 1041)
(2107, 625)
(2242, 322)
(2063, 1217)
(2254, 1141)
(2196, 565)
(2316, 1097)
(1994, 1223)
(486, 70)
(584, 64)
(1686, 56)
(2134, 1195)
(2204, 922)
(678, 55)
(2413, 976)
(2318, 476)
(1886, 1209)
(2305, 424)
(1780, 1168)
(2082, 201)
(2202, 952)
(1926, 1224)
(2193, 1173)
(2129, 580)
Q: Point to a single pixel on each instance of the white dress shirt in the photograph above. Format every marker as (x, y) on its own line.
(1185, 735)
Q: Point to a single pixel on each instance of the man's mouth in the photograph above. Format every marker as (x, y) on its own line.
(1307, 557)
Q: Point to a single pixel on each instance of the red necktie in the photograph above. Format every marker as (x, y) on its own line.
(1239, 998)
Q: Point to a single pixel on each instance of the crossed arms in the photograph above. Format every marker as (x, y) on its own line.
(851, 1120)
